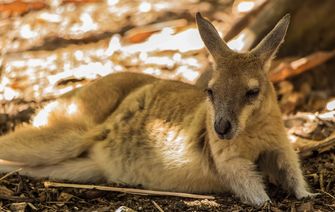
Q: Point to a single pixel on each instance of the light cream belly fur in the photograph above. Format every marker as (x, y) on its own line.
(144, 148)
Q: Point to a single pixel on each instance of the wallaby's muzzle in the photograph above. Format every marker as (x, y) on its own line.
(224, 128)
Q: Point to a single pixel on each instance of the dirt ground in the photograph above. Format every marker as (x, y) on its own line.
(21, 192)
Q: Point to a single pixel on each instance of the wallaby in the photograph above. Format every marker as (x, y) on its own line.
(136, 129)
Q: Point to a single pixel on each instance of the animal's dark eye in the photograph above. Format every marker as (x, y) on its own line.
(209, 93)
(252, 93)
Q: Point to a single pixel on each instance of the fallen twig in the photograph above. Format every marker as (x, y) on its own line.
(289, 69)
(139, 34)
(157, 206)
(325, 192)
(127, 190)
(80, 1)
(20, 7)
(308, 147)
(15, 198)
(243, 22)
(322, 181)
(9, 174)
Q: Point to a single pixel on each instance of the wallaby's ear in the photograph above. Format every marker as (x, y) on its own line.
(215, 45)
(268, 47)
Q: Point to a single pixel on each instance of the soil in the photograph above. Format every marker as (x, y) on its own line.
(18, 191)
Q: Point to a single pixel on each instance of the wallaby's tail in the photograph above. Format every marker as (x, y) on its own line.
(59, 152)
(49, 145)
(79, 170)
(42, 146)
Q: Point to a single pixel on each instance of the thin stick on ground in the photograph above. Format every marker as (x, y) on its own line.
(308, 147)
(289, 69)
(157, 206)
(325, 192)
(15, 198)
(9, 174)
(321, 182)
(127, 190)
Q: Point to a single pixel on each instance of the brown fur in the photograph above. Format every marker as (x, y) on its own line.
(136, 129)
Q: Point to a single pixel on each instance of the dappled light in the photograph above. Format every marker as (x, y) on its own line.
(72, 109)
(331, 105)
(45, 75)
(246, 6)
(10, 163)
(199, 203)
(292, 138)
(172, 136)
(42, 117)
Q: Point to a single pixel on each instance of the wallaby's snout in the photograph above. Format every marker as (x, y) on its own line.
(224, 128)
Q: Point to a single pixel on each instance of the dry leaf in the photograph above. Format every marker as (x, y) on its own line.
(18, 207)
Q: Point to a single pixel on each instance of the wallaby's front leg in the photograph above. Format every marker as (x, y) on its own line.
(282, 165)
(240, 175)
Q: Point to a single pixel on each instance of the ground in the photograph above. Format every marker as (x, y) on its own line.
(19, 191)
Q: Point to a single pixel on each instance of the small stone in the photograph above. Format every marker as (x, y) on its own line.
(64, 197)
(124, 209)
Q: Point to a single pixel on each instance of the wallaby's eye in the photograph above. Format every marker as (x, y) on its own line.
(252, 93)
(209, 93)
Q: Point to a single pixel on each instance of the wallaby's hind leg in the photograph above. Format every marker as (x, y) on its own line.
(47, 145)
(283, 166)
(99, 99)
(78, 170)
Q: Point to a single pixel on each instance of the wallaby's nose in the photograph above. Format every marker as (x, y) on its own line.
(222, 128)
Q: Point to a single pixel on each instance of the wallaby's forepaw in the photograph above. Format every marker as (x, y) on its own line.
(258, 201)
(261, 203)
(305, 194)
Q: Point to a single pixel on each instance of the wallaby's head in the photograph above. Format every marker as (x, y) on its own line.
(239, 83)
